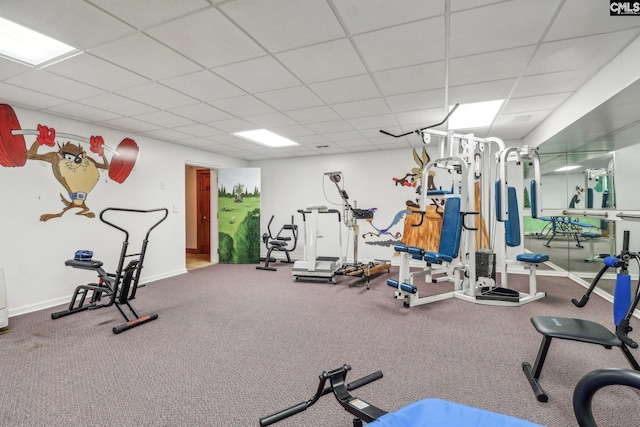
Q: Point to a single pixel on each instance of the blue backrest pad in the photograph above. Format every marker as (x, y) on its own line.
(498, 201)
(512, 225)
(451, 228)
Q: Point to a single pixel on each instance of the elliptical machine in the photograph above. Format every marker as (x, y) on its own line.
(117, 288)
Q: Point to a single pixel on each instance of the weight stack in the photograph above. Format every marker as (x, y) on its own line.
(486, 264)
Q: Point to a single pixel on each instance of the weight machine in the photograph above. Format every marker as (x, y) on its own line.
(351, 215)
(117, 288)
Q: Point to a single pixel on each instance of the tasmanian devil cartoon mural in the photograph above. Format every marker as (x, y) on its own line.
(73, 168)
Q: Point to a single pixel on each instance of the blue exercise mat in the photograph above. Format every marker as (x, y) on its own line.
(442, 413)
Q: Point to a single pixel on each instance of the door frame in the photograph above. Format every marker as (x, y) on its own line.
(213, 223)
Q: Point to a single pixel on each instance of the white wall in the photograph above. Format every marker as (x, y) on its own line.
(33, 252)
(292, 184)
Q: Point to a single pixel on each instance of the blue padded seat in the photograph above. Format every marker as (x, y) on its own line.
(533, 258)
(590, 235)
(442, 413)
(434, 258)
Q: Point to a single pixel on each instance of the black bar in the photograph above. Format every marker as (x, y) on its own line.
(364, 380)
(135, 322)
(424, 128)
(281, 415)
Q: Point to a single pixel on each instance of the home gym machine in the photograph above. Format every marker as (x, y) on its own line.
(351, 215)
(279, 243)
(117, 288)
(423, 413)
(314, 266)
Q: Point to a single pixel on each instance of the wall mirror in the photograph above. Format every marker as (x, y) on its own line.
(591, 165)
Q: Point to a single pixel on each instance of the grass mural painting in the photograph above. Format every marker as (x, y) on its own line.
(239, 215)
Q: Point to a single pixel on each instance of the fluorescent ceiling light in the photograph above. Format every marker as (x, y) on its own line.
(566, 168)
(265, 137)
(25, 45)
(476, 115)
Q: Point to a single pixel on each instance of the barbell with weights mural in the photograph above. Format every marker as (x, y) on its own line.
(72, 167)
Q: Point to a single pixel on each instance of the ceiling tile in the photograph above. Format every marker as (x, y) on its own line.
(373, 122)
(271, 120)
(54, 85)
(85, 112)
(293, 131)
(27, 98)
(516, 126)
(207, 38)
(96, 72)
(203, 85)
(157, 95)
(291, 98)
(416, 101)
(343, 136)
(332, 126)
(458, 5)
(202, 113)
(346, 90)
(584, 53)
(233, 125)
(74, 22)
(313, 114)
(199, 130)
(272, 75)
(479, 92)
(584, 17)
(118, 104)
(144, 13)
(366, 107)
(10, 68)
(324, 61)
(564, 81)
(285, 24)
(535, 103)
(498, 65)
(167, 134)
(411, 78)
(421, 118)
(504, 25)
(130, 124)
(366, 15)
(143, 55)
(164, 119)
(243, 105)
(309, 140)
(407, 44)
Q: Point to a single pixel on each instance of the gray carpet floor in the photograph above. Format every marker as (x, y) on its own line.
(233, 344)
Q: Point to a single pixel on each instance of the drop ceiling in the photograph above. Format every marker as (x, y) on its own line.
(328, 74)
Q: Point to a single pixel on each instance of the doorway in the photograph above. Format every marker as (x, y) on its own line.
(201, 228)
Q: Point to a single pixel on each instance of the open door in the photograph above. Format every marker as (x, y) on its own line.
(204, 210)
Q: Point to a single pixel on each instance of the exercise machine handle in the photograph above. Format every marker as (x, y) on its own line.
(364, 380)
(322, 390)
(281, 415)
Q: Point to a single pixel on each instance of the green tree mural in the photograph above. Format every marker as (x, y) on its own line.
(246, 246)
